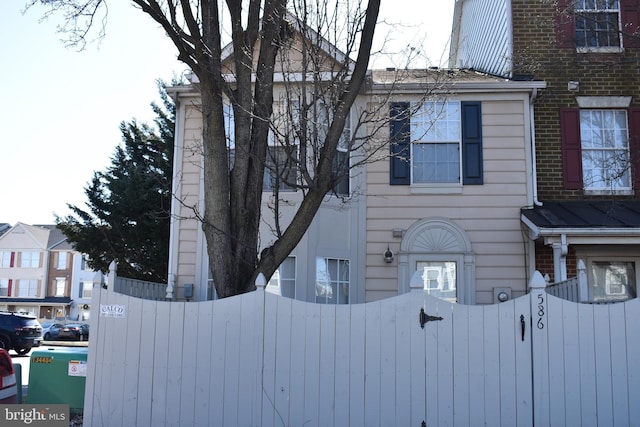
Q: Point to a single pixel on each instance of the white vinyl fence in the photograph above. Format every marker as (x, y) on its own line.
(263, 360)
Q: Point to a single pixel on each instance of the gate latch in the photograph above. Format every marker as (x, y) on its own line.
(424, 318)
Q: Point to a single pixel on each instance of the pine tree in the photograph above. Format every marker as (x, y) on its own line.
(129, 204)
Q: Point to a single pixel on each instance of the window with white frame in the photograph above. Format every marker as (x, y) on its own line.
(27, 288)
(85, 289)
(62, 261)
(5, 259)
(29, 259)
(436, 138)
(604, 140)
(612, 280)
(285, 278)
(83, 263)
(597, 24)
(61, 285)
(332, 281)
(4, 287)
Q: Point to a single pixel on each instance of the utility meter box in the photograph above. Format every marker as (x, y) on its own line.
(57, 375)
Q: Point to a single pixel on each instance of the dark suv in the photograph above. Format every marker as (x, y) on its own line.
(19, 332)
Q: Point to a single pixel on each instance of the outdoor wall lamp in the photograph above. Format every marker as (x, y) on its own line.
(388, 255)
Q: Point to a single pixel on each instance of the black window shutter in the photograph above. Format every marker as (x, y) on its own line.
(400, 144)
(471, 143)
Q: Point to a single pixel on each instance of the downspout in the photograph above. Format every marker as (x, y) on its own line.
(532, 131)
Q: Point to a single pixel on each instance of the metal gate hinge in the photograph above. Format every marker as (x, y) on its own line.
(424, 318)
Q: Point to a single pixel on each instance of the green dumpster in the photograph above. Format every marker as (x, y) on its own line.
(58, 376)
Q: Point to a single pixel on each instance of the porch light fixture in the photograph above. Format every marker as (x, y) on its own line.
(388, 255)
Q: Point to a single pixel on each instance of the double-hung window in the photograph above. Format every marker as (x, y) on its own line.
(598, 152)
(435, 151)
(604, 140)
(436, 144)
(332, 281)
(85, 289)
(61, 286)
(62, 261)
(597, 23)
(4, 287)
(5, 259)
(284, 278)
(27, 288)
(30, 259)
(605, 26)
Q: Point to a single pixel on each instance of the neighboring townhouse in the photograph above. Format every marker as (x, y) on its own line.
(587, 127)
(329, 256)
(40, 273)
(442, 198)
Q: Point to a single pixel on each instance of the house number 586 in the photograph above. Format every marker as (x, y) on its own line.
(540, 322)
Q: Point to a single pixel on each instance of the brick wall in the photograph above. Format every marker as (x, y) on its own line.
(536, 53)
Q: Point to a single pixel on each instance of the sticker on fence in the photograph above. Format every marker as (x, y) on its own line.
(113, 310)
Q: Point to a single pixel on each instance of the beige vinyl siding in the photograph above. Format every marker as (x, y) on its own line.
(189, 192)
(488, 213)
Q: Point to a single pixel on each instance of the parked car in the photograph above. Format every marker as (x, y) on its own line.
(50, 330)
(19, 332)
(73, 331)
(8, 385)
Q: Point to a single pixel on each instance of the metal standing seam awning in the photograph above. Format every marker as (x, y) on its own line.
(564, 223)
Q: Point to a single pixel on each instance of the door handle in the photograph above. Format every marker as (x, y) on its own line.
(523, 325)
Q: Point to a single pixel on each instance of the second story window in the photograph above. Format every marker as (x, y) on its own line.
(29, 259)
(435, 148)
(436, 144)
(4, 287)
(597, 23)
(62, 261)
(5, 259)
(85, 289)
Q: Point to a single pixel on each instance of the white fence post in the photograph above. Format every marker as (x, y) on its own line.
(583, 290)
(112, 277)
(539, 349)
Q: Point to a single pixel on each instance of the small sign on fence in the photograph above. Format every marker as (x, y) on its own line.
(113, 310)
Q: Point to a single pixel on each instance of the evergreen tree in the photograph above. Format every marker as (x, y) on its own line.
(129, 204)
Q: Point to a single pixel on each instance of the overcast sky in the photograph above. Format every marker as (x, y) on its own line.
(60, 109)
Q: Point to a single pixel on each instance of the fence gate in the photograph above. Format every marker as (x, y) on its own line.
(263, 360)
